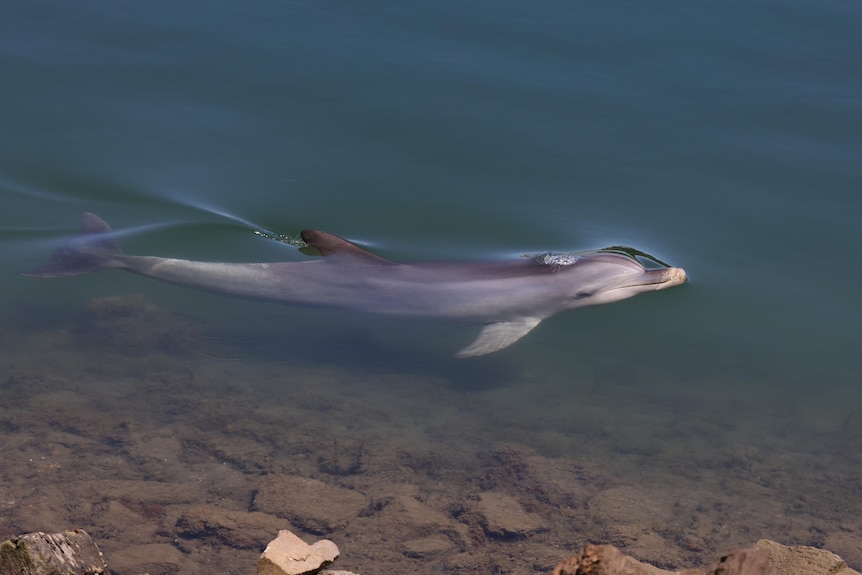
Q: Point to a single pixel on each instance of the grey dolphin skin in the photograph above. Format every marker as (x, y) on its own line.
(509, 297)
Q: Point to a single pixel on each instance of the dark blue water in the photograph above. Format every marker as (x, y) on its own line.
(720, 137)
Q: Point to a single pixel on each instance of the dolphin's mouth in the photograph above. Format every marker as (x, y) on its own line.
(660, 278)
(654, 280)
(678, 276)
(666, 277)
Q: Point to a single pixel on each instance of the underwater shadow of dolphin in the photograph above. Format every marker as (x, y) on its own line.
(510, 297)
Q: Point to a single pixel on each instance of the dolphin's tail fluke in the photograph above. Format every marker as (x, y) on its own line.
(93, 249)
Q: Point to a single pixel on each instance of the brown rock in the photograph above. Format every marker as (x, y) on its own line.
(287, 554)
(632, 513)
(415, 521)
(240, 529)
(766, 558)
(800, 560)
(308, 504)
(744, 562)
(603, 560)
(120, 520)
(409, 512)
(152, 558)
(69, 553)
(503, 516)
(425, 547)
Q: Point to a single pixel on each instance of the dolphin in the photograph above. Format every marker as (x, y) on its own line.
(510, 297)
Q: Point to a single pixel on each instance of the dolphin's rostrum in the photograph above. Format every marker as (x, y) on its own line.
(510, 297)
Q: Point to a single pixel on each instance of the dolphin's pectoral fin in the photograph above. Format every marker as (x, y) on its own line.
(330, 244)
(496, 336)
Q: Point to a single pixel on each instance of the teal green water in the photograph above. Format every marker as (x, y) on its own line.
(724, 138)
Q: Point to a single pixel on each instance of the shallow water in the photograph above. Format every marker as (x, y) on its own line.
(722, 139)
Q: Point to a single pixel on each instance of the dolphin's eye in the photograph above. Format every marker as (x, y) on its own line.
(583, 294)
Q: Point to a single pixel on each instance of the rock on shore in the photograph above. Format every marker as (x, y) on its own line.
(287, 554)
(765, 558)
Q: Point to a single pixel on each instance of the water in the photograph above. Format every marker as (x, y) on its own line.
(720, 138)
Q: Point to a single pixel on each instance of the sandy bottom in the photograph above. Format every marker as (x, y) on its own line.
(182, 460)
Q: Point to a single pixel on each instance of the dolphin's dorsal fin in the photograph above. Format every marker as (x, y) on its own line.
(330, 244)
(496, 336)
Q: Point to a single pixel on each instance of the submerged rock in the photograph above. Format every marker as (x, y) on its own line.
(308, 504)
(149, 558)
(287, 554)
(133, 325)
(503, 516)
(238, 529)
